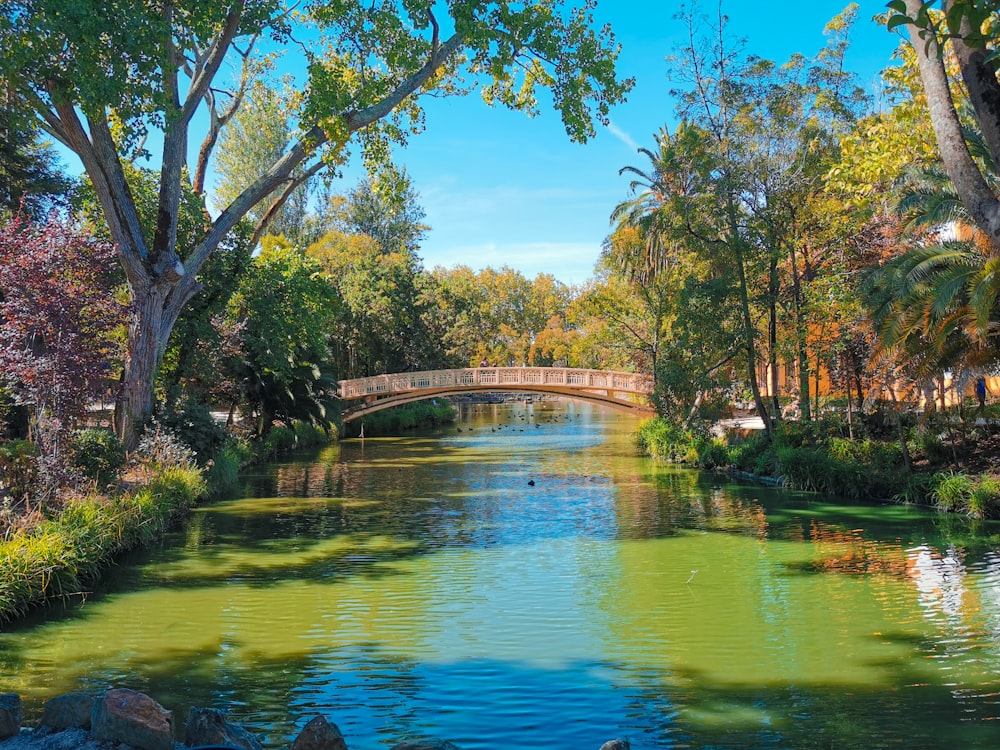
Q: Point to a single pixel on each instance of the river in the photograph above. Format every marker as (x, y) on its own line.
(524, 579)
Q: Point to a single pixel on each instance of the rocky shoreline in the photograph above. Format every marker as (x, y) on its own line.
(124, 719)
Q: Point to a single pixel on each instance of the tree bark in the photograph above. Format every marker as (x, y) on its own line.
(972, 188)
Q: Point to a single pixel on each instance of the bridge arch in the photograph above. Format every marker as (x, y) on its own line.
(623, 390)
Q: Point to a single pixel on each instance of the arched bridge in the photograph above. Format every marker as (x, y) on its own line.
(626, 390)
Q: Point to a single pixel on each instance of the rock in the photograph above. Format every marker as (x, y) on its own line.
(619, 744)
(123, 715)
(71, 711)
(50, 739)
(11, 714)
(319, 734)
(207, 726)
(425, 743)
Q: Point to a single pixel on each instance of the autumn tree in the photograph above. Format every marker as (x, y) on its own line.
(103, 78)
(57, 317)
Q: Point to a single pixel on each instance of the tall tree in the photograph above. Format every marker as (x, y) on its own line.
(967, 30)
(30, 177)
(384, 206)
(102, 77)
(254, 138)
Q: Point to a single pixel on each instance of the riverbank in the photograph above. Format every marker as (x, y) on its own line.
(950, 466)
(61, 547)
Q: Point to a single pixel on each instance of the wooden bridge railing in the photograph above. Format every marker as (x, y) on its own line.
(478, 378)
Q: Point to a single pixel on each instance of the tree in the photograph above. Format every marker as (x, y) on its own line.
(57, 320)
(386, 208)
(285, 310)
(735, 181)
(968, 30)
(381, 328)
(30, 178)
(255, 137)
(101, 78)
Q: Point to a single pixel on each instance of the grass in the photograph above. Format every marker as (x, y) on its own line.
(59, 555)
(816, 457)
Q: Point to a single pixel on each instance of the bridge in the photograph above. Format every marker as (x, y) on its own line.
(623, 390)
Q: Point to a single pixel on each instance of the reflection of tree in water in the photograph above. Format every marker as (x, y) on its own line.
(680, 500)
(316, 480)
(847, 551)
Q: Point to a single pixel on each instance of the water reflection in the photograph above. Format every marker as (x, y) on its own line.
(529, 580)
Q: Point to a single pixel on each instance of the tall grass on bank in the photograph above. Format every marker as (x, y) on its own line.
(815, 457)
(60, 555)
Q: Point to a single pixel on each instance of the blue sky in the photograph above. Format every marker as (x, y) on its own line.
(500, 188)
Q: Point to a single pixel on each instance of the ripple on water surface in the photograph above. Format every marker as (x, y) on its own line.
(422, 585)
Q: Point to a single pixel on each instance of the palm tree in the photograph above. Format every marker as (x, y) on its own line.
(942, 294)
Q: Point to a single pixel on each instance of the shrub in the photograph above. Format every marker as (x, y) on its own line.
(664, 440)
(53, 559)
(193, 424)
(98, 454)
(803, 468)
(916, 489)
(712, 453)
(952, 491)
(161, 447)
(406, 417)
(18, 468)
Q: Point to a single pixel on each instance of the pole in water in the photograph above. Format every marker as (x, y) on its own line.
(362, 431)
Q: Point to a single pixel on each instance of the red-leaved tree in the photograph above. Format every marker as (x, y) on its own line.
(58, 317)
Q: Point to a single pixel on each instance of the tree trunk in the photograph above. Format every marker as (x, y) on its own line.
(148, 333)
(749, 330)
(801, 339)
(969, 182)
(772, 334)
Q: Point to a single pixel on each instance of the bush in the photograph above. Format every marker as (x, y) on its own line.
(952, 491)
(976, 496)
(98, 454)
(162, 448)
(18, 469)
(984, 501)
(805, 468)
(193, 424)
(917, 489)
(278, 440)
(406, 417)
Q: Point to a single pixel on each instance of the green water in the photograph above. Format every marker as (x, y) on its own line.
(420, 585)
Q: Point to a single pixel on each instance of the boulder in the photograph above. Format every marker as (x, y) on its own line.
(71, 711)
(123, 715)
(619, 744)
(207, 726)
(11, 714)
(319, 734)
(425, 743)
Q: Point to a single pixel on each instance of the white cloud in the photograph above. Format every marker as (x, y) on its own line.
(622, 136)
(569, 262)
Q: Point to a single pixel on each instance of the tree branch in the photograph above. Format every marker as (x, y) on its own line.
(282, 198)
